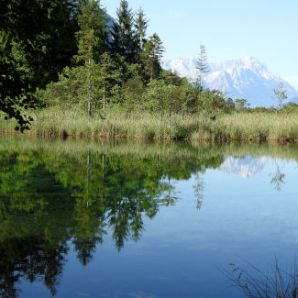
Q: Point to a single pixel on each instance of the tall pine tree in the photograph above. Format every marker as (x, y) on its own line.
(124, 38)
(141, 24)
(202, 67)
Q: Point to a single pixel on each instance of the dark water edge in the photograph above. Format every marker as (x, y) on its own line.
(209, 135)
(106, 219)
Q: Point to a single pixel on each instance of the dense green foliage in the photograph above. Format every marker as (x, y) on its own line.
(36, 43)
(120, 69)
(72, 54)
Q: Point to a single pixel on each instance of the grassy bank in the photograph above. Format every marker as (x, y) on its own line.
(255, 127)
(251, 127)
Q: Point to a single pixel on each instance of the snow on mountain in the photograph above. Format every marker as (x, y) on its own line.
(244, 167)
(246, 78)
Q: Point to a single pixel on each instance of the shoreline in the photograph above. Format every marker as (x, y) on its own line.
(212, 139)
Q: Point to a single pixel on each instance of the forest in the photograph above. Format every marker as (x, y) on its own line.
(69, 69)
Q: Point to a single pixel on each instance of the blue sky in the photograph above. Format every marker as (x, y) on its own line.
(265, 29)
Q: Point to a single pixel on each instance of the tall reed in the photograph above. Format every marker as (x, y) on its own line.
(242, 127)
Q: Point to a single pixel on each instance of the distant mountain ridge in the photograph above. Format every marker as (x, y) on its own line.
(246, 78)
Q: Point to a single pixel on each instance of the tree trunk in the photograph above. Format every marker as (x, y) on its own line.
(89, 88)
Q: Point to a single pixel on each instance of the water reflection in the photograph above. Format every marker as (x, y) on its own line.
(244, 167)
(249, 166)
(54, 195)
(278, 178)
(49, 198)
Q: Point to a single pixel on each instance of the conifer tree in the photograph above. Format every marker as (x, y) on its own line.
(109, 76)
(202, 67)
(141, 24)
(124, 40)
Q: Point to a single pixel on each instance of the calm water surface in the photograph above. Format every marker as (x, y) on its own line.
(141, 220)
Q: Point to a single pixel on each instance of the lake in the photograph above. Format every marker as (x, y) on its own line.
(99, 219)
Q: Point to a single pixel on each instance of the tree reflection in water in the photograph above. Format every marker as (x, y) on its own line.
(56, 194)
(49, 198)
(278, 178)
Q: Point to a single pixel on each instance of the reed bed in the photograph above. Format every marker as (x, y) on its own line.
(250, 128)
(225, 128)
(260, 127)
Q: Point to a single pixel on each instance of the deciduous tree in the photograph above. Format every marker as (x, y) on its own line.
(152, 55)
(92, 42)
(280, 93)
